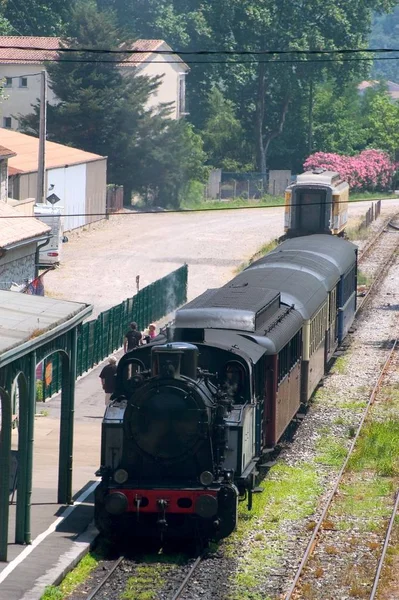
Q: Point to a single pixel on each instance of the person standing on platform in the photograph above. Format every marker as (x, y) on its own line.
(132, 338)
(107, 377)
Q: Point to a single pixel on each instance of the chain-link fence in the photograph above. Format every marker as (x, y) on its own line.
(99, 338)
(248, 186)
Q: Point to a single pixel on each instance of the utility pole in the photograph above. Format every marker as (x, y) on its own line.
(310, 118)
(42, 139)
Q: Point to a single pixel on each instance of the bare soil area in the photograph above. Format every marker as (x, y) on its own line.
(100, 263)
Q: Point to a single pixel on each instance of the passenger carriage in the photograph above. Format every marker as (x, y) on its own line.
(342, 255)
(316, 203)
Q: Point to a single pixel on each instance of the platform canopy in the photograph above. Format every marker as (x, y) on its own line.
(31, 329)
(27, 321)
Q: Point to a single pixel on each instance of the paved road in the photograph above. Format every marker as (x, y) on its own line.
(100, 265)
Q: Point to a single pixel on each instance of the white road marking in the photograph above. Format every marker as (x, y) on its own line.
(42, 536)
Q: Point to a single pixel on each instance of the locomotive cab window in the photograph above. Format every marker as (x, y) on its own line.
(233, 379)
(131, 374)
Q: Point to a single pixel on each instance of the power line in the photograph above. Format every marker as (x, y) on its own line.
(202, 52)
(197, 62)
(190, 210)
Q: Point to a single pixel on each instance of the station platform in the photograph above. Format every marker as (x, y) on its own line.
(60, 534)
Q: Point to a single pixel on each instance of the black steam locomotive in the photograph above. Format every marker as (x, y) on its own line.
(195, 410)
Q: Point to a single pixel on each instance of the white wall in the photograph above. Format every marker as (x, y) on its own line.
(19, 100)
(168, 90)
(70, 185)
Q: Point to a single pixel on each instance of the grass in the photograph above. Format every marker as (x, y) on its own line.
(363, 503)
(146, 583)
(378, 448)
(357, 197)
(74, 579)
(263, 250)
(340, 365)
(151, 576)
(330, 452)
(363, 279)
(290, 494)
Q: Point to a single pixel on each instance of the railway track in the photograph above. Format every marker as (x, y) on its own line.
(95, 592)
(385, 548)
(99, 591)
(187, 579)
(312, 544)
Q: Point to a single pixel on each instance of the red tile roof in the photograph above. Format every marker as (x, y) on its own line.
(26, 148)
(5, 152)
(13, 55)
(13, 230)
(49, 46)
(146, 47)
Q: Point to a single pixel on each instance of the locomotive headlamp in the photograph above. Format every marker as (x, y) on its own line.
(121, 476)
(206, 478)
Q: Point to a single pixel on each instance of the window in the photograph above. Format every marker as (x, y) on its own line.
(289, 356)
(7, 122)
(8, 82)
(23, 82)
(182, 97)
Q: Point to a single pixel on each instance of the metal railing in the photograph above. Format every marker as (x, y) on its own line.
(97, 339)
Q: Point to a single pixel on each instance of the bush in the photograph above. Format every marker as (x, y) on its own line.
(370, 170)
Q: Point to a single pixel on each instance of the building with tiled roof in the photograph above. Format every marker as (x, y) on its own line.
(22, 58)
(19, 238)
(76, 177)
(392, 87)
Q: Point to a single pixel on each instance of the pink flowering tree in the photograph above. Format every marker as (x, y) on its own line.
(371, 170)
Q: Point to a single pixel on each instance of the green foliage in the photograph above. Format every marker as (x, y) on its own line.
(384, 34)
(378, 448)
(222, 132)
(290, 494)
(381, 120)
(330, 452)
(35, 17)
(107, 113)
(266, 98)
(77, 576)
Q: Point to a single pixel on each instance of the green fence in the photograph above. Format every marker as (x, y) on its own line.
(100, 337)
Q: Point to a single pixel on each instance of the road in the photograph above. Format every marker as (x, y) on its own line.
(100, 264)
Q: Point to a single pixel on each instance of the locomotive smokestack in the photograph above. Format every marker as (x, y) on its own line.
(175, 359)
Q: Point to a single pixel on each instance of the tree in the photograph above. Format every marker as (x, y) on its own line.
(381, 120)
(264, 93)
(102, 111)
(37, 17)
(222, 133)
(385, 34)
(338, 119)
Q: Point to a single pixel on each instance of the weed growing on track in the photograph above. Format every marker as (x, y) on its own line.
(340, 366)
(330, 452)
(151, 575)
(290, 494)
(72, 581)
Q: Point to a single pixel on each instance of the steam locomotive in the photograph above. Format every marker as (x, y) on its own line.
(195, 411)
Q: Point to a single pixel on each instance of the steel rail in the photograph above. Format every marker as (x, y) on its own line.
(312, 542)
(94, 593)
(381, 274)
(385, 547)
(187, 578)
(364, 253)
